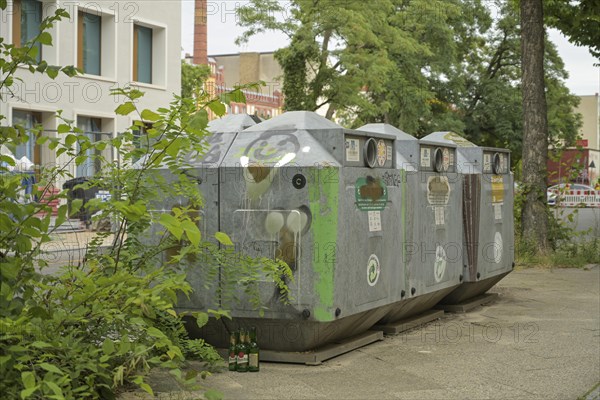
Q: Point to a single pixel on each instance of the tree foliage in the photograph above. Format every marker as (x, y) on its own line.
(579, 21)
(419, 65)
(193, 78)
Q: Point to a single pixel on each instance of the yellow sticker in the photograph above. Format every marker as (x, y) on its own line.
(497, 189)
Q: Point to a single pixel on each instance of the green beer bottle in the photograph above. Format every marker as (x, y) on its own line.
(242, 352)
(253, 352)
(232, 351)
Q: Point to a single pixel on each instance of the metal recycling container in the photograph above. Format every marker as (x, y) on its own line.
(434, 251)
(488, 220)
(205, 172)
(429, 259)
(305, 190)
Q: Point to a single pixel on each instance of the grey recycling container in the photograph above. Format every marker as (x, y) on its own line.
(488, 220)
(203, 275)
(429, 259)
(305, 190)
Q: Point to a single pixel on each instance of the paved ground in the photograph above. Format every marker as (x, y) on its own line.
(540, 340)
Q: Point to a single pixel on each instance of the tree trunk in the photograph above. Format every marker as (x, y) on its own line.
(534, 216)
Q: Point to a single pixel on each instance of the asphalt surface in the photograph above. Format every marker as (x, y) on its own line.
(539, 340)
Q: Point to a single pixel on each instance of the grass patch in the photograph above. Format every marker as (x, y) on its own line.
(565, 255)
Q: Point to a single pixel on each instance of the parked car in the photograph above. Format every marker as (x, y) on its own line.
(556, 190)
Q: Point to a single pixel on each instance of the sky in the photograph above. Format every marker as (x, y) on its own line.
(584, 78)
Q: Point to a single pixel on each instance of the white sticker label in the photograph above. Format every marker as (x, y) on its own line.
(439, 215)
(381, 153)
(498, 211)
(498, 247)
(438, 190)
(352, 153)
(440, 264)
(487, 162)
(445, 159)
(425, 157)
(374, 221)
(389, 153)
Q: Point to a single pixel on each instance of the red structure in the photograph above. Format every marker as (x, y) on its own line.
(573, 166)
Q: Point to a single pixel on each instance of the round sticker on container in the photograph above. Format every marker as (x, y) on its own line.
(373, 270)
(440, 264)
(381, 153)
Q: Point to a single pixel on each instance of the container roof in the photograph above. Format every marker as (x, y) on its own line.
(296, 120)
(388, 130)
(450, 138)
(231, 123)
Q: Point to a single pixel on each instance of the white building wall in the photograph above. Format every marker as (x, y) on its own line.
(89, 95)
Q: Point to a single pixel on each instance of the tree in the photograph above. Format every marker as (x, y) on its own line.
(579, 21)
(484, 91)
(535, 124)
(336, 48)
(193, 78)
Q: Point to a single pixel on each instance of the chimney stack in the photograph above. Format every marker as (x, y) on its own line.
(200, 33)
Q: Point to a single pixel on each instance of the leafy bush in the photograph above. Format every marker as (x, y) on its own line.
(104, 322)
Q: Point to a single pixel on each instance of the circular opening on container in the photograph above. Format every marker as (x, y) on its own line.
(496, 164)
(438, 160)
(370, 152)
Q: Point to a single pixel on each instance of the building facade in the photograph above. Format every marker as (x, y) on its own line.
(231, 70)
(115, 43)
(581, 164)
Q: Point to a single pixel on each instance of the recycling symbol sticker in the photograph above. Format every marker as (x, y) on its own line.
(440, 264)
(373, 270)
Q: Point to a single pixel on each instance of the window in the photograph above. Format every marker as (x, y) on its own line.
(142, 54)
(92, 128)
(89, 43)
(27, 17)
(28, 120)
(141, 141)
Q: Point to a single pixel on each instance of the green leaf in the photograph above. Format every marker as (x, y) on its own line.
(76, 205)
(52, 71)
(223, 239)
(55, 388)
(51, 368)
(217, 107)
(148, 115)
(45, 38)
(63, 128)
(172, 225)
(28, 379)
(70, 139)
(40, 344)
(62, 215)
(42, 66)
(192, 232)
(155, 332)
(201, 319)
(125, 108)
(147, 388)
(25, 393)
(108, 346)
(199, 120)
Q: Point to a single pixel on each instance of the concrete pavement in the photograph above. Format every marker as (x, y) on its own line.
(539, 340)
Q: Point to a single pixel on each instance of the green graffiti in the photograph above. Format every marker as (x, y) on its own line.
(323, 197)
(403, 211)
